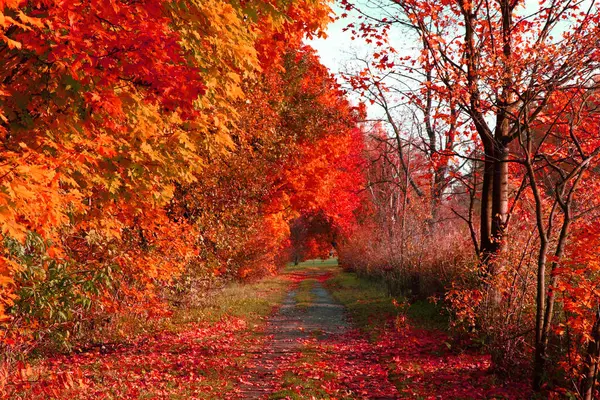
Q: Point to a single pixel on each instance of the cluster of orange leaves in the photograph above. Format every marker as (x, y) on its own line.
(142, 137)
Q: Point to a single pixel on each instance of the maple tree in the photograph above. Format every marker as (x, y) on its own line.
(495, 63)
(245, 220)
(133, 134)
(562, 148)
(509, 89)
(155, 149)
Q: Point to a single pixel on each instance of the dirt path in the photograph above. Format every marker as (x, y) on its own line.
(308, 349)
(323, 326)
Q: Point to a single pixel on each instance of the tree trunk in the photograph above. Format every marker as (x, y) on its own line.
(500, 151)
(590, 368)
(499, 201)
(541, 340)
(539, 362)
(545, 311)
(485, 241)
(494, 206)
(494, 214)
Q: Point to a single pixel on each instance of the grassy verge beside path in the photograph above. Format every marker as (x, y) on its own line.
(371, 308)
(412, 340)
(198, 352)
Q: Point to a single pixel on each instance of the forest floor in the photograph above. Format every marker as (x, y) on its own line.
(314, 332)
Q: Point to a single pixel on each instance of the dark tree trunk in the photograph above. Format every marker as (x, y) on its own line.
(485, 240)
(590, 369)
(494, 213)
(499, 200)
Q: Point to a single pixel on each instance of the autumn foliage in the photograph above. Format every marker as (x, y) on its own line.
(154, 145)
(483, 185)
(154, 149)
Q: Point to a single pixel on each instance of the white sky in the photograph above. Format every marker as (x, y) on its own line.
(338, 50)
(333, 49)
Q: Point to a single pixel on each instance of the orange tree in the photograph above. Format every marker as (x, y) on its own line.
(295, 151)
(109, 109)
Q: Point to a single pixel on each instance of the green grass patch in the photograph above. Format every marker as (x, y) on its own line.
(316, 266)
(365, 299)
(304, 295)
(251, 301)
(428, 315)
(370, 306)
